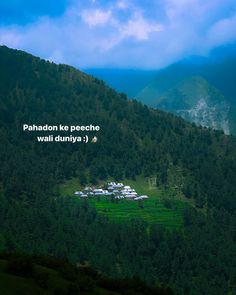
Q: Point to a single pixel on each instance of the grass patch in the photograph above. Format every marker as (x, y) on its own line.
(153, 210)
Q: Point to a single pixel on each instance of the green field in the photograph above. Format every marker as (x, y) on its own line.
(153, 210)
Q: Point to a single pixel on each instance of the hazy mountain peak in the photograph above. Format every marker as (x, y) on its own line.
(196, 100)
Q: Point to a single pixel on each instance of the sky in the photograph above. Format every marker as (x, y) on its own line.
(144, 34)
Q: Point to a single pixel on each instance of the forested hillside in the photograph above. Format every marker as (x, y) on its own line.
(134, 140)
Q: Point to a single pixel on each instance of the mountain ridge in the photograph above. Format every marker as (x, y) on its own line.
(195, 100)
(146, 86)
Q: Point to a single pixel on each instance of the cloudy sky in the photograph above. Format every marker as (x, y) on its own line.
(123, 33)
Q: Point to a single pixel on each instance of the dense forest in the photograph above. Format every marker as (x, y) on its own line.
(134, 140)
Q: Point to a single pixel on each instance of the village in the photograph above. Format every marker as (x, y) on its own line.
(112, 190)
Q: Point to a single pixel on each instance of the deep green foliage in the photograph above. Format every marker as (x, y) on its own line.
(133, 140)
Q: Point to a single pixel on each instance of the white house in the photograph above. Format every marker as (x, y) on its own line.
(78, 193)
(144, 196)
(141, 198)
(108, 193)
(119, 190)
(88, 189)
(118, 185)
(84, 196)
(130, 196)
(98, 190)
(127, 187)
(110, 188)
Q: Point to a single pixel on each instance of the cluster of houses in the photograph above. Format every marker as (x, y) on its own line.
(113, 190)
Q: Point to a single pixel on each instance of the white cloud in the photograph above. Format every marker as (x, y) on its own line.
(222, 32)
(127, 34)
(10, 38)
(57, 57)
(122, 5)
(136, 28)
(96, 17)
(140, 28)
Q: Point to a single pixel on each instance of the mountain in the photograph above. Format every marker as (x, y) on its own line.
(195, 100)
(218, 74)
(147, 86)
(189, 164)
(128, 81)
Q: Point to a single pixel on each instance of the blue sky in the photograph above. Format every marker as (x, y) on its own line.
(147, 34)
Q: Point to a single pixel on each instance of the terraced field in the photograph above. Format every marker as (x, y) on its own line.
(163, 206)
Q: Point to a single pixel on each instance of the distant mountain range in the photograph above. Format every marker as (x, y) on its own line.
(200, 89)
(130, 82)
(195, 100)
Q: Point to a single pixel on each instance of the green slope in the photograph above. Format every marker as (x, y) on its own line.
(155, 210)
(134, 141)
